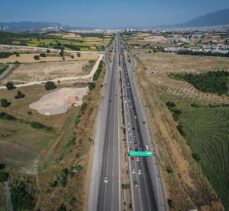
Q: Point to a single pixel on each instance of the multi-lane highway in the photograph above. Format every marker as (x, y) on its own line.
(147, 191)
(105, 184)
(104, 191)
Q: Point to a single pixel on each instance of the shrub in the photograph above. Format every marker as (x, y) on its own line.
(42, 55)
(196, 157)
(5, 54)
(10, 85)
(5, 103)
(38, 125)
(19, 95)
(50, 85)
(36, 57)
(91, 86)
(64, 177)
(170, 104)
(6, 116)
(53, 184)
(180, 129)
(62, 208)
(98, 71)
(4, 176)
(83, 107)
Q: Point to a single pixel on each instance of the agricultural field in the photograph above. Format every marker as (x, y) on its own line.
(192, 135)
(51, 153)
(206, 130)
(67, 41)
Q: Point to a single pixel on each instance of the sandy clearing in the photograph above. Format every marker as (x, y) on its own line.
(59, 101)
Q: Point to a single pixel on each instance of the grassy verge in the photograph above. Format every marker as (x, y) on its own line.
(206, 130)
(3, 68)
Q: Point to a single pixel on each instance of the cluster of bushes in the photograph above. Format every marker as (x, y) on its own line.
(22, 197)
(212, 82)
(83, 108)
(200, 53)
(91, 85)
(64, 177)
(19, 95)
(38, 125)
(6, 116)
(5, 103)
(98, 71)
(10, 85)
(176, 112)
(4, 176)
(50, 85)
(5, 54)
(2, 68)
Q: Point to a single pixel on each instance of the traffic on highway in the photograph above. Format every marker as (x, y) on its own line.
(144, 177)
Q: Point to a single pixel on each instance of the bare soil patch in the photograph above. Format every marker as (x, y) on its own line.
(59, 101)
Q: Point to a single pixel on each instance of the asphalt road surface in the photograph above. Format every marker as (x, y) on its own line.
(104, 190)
(146, 185)
(105, 185)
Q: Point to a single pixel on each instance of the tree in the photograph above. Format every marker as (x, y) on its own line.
(72, 56)
(78, 54)
(36, 57)
(4, 103)
(42, 55)
(62, 51)
(10, 85)
(19, 95)
(50, 85)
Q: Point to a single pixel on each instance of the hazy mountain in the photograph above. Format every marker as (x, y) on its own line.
(29, 26)
(218, 18)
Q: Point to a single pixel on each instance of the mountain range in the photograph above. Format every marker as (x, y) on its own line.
(217, 18)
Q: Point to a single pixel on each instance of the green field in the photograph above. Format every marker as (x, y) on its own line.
(212, 82)
(23, 143)
(97, 42)
(206, 130)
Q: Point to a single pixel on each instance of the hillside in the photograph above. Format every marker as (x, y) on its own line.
(220, 17)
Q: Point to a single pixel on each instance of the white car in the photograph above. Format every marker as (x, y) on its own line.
(105, 179)
(139, 172)
(147, 147)
(133, 171)
(138, 159)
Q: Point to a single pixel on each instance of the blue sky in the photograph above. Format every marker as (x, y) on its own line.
(108, 13)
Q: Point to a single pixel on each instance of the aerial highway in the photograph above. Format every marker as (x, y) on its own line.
(147, 190)
(105, 182)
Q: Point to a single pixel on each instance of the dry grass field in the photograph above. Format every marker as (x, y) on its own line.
(186, 187)
(46, 71)
(50, 57)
